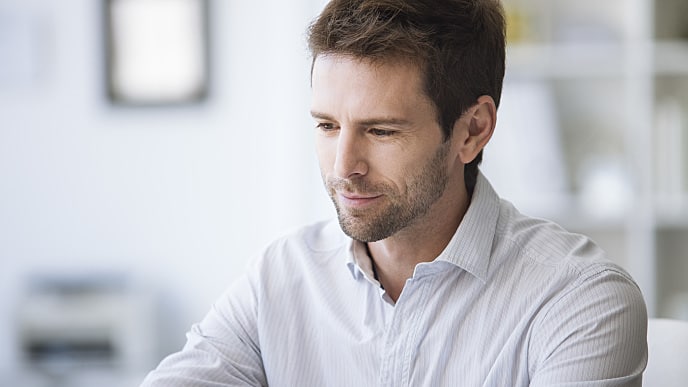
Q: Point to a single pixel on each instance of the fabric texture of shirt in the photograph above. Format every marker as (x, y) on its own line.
(511, 301)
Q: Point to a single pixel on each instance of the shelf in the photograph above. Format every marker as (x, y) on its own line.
(565, 60)
(671, 211)
(671, 57)
(570, 212)
(590, 60)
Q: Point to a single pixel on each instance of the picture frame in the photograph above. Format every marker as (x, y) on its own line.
(157, 51)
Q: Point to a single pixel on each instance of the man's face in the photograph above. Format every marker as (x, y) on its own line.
(381, 150)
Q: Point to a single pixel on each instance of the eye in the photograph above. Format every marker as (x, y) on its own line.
(380, 132)
(326, 126)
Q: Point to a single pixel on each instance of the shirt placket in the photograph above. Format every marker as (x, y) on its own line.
(403, 334)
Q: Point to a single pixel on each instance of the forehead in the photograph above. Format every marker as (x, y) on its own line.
(378, 67)
(364, 83)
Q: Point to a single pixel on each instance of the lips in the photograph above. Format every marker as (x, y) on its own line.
(354, 196)
(357, 200)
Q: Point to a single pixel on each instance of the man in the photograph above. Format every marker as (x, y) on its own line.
(428, 278)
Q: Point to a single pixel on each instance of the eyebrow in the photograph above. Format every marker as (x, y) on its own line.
(366, 122)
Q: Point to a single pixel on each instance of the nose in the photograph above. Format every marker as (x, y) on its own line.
(350, 161)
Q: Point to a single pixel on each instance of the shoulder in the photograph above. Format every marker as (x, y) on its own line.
(567, 266)
(316, 238)
(587, 307)
(300, 247)
(547, 244)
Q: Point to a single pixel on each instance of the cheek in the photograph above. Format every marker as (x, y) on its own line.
(406, 170)
(325, 153)
(395, 169)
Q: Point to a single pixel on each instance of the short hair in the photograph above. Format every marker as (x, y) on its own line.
(459, 46)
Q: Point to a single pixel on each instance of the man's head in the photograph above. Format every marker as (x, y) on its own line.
(458, 45)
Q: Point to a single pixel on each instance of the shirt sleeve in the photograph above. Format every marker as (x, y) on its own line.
(220, 350)
(594, 335)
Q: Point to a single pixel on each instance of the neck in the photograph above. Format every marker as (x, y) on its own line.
(396, 257)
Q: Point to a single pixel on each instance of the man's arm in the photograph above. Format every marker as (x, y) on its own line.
(220, 350)
(595, 335)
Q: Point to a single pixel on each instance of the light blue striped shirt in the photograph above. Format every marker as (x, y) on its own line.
(511, 301)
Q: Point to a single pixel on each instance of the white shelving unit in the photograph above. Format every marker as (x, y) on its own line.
(604, 86)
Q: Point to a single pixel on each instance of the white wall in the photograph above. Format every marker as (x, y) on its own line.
(178, 197)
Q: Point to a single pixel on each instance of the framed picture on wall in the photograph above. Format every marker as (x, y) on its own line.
(157, 51)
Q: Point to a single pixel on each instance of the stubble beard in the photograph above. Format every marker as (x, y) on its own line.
(401, 210)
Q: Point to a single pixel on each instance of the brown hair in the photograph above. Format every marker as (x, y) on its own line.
(459, 45)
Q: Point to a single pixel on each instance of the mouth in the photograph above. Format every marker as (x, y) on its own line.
(357, 200)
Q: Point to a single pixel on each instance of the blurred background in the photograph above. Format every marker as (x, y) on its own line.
(149, 148)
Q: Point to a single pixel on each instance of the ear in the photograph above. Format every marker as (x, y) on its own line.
(474, 128)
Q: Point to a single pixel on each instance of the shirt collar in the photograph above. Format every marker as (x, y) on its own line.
(469, 248)
(358, 260)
